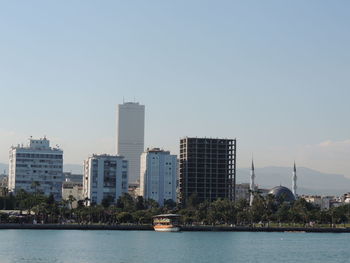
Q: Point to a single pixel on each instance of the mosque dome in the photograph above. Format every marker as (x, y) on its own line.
(281, 192)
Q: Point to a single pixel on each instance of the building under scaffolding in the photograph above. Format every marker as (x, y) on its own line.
(207, 169)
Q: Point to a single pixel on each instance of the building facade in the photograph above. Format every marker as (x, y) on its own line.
(36, 168)
(131, 135)
(158, 175)
(105, 176)
(324, 202)
(243, 192)
(72, 189)
(207, 168)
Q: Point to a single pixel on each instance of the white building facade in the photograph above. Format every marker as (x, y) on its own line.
(158, 175)
(131, 135)
(104, 176)
(36, 168)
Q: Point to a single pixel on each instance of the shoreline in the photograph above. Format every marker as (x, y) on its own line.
(183, 228)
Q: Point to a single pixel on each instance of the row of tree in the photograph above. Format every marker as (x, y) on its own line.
(264, 211)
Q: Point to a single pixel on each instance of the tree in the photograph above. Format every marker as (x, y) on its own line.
(140, 203)
(283, 212)
(151, 204)
(193, 201)
(258, 208)
(124, 217)
(142, 217)
(202, 212)
(270, 208)
(169, 204)
(126, 202)
(107, 201)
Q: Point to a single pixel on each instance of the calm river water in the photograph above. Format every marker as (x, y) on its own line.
(54, 246)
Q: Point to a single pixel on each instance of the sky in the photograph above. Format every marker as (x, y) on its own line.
(273, 74)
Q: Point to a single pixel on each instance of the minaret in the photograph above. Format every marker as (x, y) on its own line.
(294, 187)
(252, 183)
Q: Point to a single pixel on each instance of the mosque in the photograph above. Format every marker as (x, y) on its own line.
(280, 192)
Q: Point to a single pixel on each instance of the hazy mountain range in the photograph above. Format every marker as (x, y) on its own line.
(309, 181)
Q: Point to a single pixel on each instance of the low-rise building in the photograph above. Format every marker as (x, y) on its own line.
(243, 191)
(72, 189)
(324, 202)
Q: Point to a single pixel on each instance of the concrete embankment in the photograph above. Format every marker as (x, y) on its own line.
(266, 229)
(75, 227)
(184, 228)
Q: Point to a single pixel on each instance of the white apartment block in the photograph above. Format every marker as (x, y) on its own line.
(104, 176)
(36, 168)
(130, 136)
(158, 175)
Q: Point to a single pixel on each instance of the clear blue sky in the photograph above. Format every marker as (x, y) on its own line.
(274, 74)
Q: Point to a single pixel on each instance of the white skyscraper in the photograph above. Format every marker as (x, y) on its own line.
(131, 135)
(105, 176)
(158, 175)
(36, 168)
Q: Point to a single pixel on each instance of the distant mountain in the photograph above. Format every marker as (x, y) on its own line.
(73, 168)
(309, 181)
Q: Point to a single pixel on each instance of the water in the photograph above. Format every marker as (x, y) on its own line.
(58, 246)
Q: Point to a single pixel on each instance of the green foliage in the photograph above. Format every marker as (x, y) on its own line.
(107, 201)
(169, 204)
(264, 211)
(140, 203)
(193, 201)
(126, 203)
(125, 217)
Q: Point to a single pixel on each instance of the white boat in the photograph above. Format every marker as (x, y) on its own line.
(166, 223)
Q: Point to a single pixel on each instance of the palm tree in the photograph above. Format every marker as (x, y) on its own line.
(5, 192)
(71, 199)
(35, 185)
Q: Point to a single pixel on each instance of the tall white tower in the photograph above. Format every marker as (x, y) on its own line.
(252, 183)
(294, 187)
(131, 136)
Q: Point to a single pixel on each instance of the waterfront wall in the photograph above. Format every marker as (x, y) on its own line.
(75, 227)
(184, 228)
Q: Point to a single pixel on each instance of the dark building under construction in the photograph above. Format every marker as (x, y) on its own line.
(207, 169)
